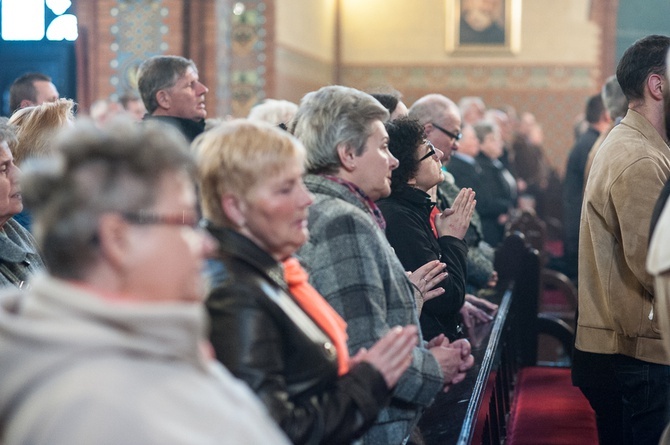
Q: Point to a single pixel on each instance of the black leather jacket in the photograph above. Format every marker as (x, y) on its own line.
(263, 337)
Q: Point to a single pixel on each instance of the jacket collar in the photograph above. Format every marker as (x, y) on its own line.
(233, 244)
(189, 128)
(414, 196)
(640, 123)
(317, 184)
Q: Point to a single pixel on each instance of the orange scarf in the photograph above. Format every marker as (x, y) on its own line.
(433, 213)
(319, 310)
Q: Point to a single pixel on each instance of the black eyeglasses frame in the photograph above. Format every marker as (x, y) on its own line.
(456, 136)
(431, 151)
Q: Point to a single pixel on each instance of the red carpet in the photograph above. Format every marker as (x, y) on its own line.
(548, 410)
(553, 300)
(554, 248)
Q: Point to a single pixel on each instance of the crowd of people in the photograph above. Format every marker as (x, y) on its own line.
(310, 274)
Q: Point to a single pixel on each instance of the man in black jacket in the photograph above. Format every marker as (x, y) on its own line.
(573, 185)
(172, 93)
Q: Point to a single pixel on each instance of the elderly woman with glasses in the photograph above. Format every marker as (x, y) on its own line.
(419, 233)
(351, 262)
(269, 326)
(110, 346)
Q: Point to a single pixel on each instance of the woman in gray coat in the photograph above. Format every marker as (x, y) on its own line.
(19, 257)
(350, 261)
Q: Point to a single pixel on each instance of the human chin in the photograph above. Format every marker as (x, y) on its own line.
(299, 238)
(384, 192)
(200, 112)
(439, 176)
(15, 205)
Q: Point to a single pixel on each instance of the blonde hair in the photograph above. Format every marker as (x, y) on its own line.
(36, 127)
(236, 157)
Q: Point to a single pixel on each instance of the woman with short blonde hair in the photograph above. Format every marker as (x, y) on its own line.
(269, 327)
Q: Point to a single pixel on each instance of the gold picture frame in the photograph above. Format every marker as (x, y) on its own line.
(476, 26)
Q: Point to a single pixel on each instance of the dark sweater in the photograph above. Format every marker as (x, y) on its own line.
(407, 214)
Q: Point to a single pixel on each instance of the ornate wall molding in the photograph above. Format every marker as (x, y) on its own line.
(490, 77)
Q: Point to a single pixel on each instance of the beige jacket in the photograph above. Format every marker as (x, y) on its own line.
(658, 265)
(616, 303)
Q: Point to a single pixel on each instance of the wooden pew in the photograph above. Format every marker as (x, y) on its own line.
(476, 411)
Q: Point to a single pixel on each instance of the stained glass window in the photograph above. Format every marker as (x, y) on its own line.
(37, 19)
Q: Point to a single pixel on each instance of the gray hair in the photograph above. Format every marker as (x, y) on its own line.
(483, 129)
(158, 73)
(332, 116)
(8, 134)
(94, 172)
(615, 101)
(468, 101)
(273, 111)
(432, 107)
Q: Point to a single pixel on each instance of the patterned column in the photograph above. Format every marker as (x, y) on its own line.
(243, 55)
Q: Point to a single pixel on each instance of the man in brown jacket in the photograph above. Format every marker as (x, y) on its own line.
(616, 294)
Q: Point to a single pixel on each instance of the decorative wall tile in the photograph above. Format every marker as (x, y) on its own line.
(241, 58)
(138, 33)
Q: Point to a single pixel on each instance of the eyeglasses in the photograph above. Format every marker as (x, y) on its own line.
(431, 150)
(456, 136)
(145, 217)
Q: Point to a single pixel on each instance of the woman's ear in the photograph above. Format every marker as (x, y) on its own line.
(113, 239)
(347, 157)
(234, 208)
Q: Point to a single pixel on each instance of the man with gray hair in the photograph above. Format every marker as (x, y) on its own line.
(110, 347)
(441, 119)
(172, 92)
(473, 109)
(616, 105)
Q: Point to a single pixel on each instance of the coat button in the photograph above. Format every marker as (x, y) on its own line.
(330, 349)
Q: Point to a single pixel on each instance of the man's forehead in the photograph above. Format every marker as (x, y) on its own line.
(452, 118)
(189, 73)
(43, 85)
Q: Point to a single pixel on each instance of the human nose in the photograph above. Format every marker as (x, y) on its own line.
(393, 162)
(306, 197)
(202, 89)
(15, 173)
(439, 154)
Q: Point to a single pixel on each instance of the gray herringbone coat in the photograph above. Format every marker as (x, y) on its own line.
(353, 266)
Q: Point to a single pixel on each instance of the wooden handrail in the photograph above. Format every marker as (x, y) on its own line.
(476, 410)
(489, 363)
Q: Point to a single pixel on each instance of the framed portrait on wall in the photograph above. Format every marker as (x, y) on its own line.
(483, 25)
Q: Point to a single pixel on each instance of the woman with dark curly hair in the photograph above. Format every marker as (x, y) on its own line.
(408, 223)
